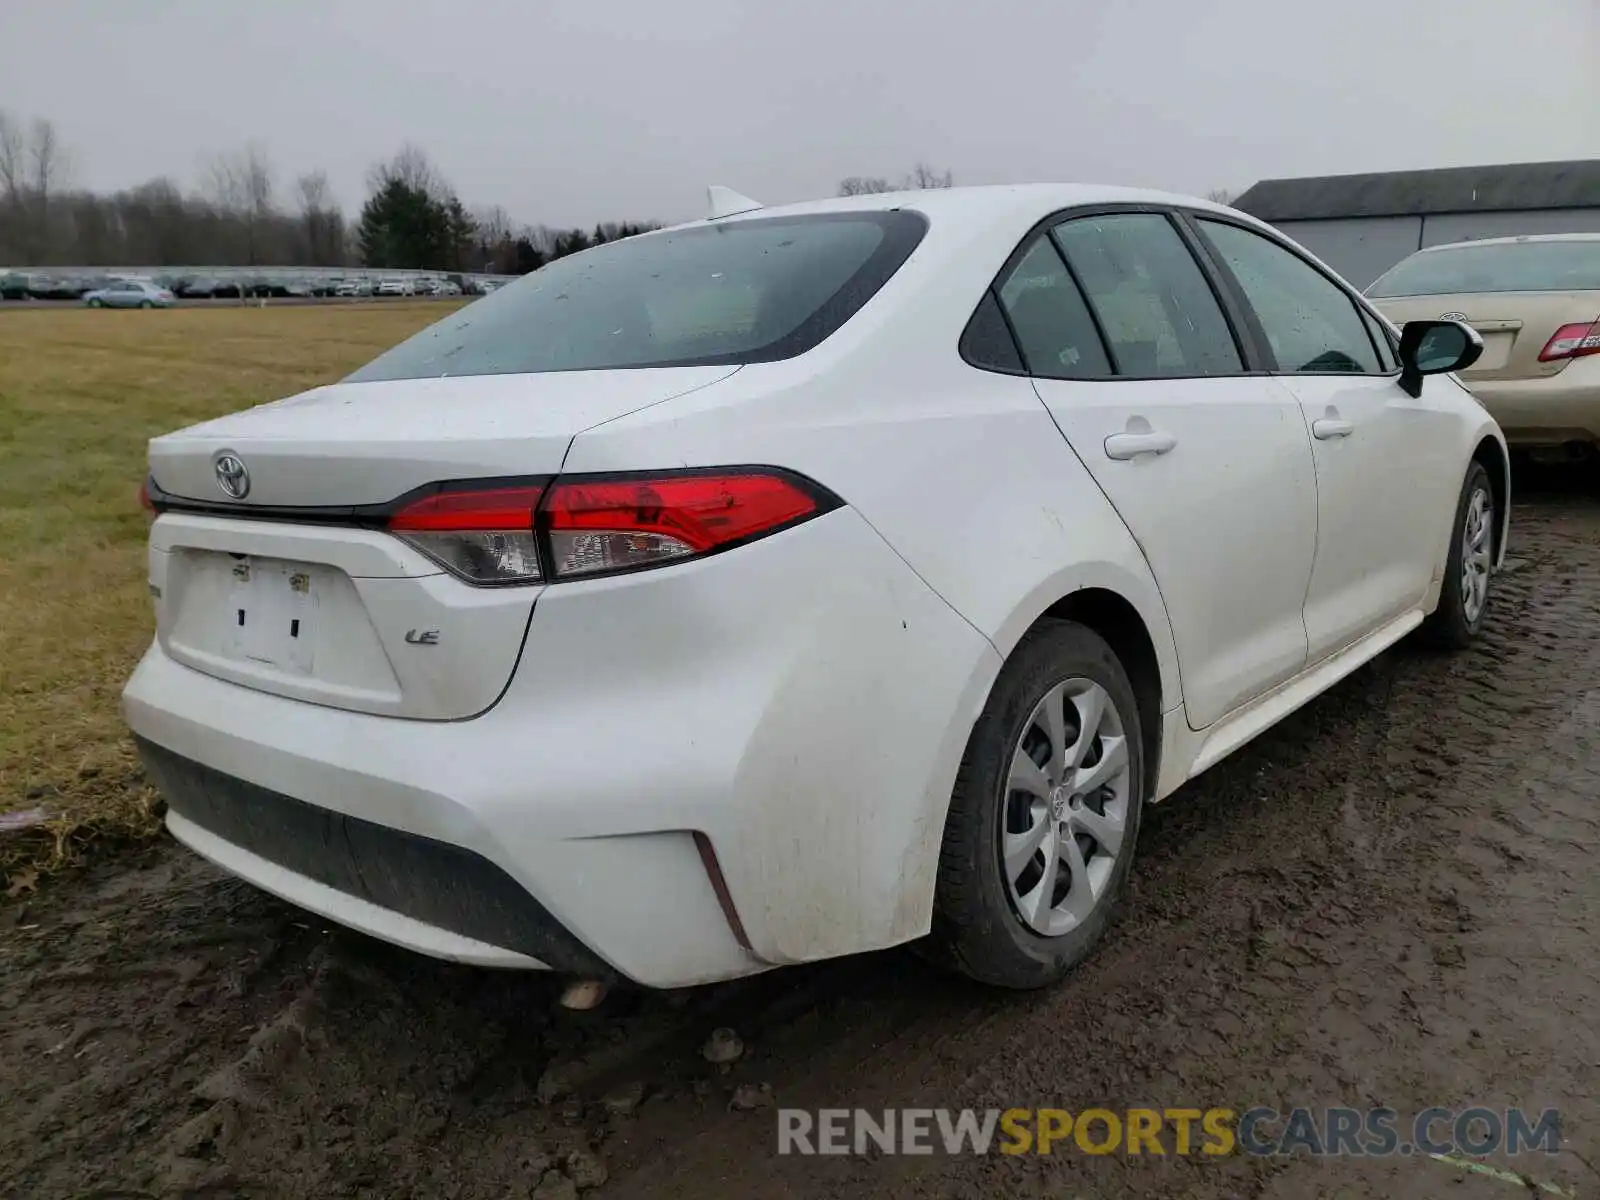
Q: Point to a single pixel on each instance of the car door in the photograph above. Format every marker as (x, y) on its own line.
(1385, 460)
(1208, 464)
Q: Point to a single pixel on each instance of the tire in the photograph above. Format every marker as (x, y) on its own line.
(1463, 605)
(145, 304)
(988, 922)
(94, 304)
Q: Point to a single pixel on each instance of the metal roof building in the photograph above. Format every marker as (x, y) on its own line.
(1363, 224)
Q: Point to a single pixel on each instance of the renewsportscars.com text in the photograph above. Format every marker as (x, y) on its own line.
(1262, 1131)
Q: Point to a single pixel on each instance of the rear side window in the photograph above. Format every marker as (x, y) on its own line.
(987, 342)
(1311, 323)
(1051, 320)
(1567, 265)
(753, 290)
(1160, 316)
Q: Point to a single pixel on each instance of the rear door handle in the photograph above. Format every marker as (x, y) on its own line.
(1327, 428)
(1123, 446)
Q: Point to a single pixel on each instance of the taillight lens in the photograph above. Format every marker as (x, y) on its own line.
(1572, 341)
(145, 502)
(621, 524)
(592, 525)
(482, 535)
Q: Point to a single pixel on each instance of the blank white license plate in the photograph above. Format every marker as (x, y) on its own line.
(272, 613)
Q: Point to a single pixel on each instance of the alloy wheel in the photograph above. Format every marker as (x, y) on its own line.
(1477, 553)
(1065, 808)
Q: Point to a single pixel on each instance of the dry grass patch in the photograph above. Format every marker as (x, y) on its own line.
(80, 394)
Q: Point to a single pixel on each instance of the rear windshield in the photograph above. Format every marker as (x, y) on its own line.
(754, 290)
(1563, 266)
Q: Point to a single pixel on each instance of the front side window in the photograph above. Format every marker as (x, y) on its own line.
(1382, 340)
(1311, 323)
(1160, 316)
(753, 290)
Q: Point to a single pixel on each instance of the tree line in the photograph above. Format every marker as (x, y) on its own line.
(242, 213)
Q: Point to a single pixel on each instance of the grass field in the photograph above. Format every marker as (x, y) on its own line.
(80, 394)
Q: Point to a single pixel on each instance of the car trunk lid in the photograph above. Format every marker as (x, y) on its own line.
(295, 588)
(1515, 326)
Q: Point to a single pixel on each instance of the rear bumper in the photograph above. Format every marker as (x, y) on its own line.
(801, 704)
(400, 886)
(1534, 412)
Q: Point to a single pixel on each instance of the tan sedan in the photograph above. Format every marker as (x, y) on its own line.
(1536, 303)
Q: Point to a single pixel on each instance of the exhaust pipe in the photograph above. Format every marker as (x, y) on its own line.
(581, 995)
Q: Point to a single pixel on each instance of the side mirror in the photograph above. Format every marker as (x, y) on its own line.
(1435, 348)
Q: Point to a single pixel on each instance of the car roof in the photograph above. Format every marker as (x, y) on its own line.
(1512, 241)
(980, 202)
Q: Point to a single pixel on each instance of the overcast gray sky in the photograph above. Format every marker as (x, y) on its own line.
(573, 111)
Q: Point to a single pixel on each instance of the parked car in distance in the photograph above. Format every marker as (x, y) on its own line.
(55, 287)
(394, 287)
(13, 286)
(801, 581)
(129, 293)
(354, 287)
(1536, 303)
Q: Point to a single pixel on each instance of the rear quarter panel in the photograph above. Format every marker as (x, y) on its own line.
(966, 478)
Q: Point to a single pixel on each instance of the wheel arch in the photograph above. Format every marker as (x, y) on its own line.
(1491, 452)
(1115, 619)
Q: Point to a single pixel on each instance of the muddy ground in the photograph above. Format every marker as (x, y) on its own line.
(1390, 899)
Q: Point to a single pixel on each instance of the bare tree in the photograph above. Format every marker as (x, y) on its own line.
(864, 185)
(494, 224)
(241, 186)
(33, 167)
(924, 178)
(412, 167)
(321, 222)
(13, 157)
(47, 161)
(1221, 196)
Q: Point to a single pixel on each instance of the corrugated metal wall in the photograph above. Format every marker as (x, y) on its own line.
(1468, 227)
(1359, 248)
(1362, 248)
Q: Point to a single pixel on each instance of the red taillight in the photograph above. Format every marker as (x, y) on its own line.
(482, 535)
(1572, 341)
(499, 509)
(145, 502)
(599, 525)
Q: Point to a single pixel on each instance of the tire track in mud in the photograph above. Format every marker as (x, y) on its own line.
(1279, 941)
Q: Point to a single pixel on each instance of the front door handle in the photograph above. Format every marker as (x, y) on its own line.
(1327, 428)
(1123, 446)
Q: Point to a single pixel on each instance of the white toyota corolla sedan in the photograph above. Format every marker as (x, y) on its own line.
(801, 581)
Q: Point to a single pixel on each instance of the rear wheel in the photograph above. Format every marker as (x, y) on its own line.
(1045, 813)
(94, 304)
(146, 304)
(1464, 597)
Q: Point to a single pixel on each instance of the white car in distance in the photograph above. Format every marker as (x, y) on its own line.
(800, 582)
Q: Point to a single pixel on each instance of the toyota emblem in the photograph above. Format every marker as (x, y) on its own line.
(232, 477)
